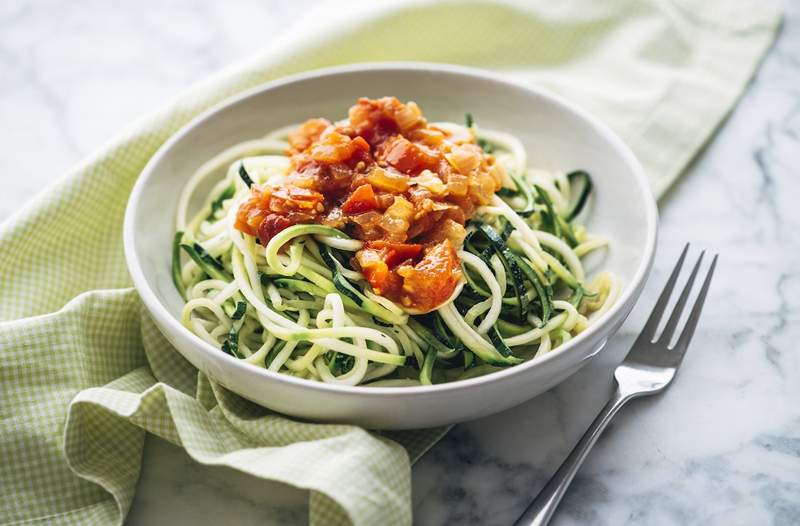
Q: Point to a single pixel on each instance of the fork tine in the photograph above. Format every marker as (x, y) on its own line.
(675, 317)
(694, 316)
(650, 327)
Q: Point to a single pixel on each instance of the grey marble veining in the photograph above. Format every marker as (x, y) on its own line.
(722, 446)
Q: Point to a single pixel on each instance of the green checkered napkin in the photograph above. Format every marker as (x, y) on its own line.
(84, 373)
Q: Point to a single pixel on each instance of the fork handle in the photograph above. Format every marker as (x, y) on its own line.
(542, 508)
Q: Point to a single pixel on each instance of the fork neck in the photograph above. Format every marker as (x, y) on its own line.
(542, 508)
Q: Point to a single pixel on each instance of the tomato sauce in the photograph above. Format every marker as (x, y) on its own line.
(387, 177)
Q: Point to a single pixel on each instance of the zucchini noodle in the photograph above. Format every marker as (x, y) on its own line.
(300, 307)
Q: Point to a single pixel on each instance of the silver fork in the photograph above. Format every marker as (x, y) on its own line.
(648, 369)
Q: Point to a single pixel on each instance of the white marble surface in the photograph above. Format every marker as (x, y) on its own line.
(720, 447)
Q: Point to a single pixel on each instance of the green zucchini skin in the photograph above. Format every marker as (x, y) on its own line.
(206, 262)
(544, 290)
(298, 285)
(512, 267)
(231, 343)
(241, 308)
(583, 196)
(177, 279)
(216, 204)
(426, 371)
(524, 189)
(429, 337)
(245, 176)
(499, 343)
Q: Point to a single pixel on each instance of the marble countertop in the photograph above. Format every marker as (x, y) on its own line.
(722, 446)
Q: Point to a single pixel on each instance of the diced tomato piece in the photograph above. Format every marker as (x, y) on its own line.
(335, 147)
(248, 217)
(382, 280)
(252, 211)
(430, 282)
(274, 223)
(377, 273)
(374, 119)
(396, 253)
(408, 157)
(361, 200)
(306, 134)
(271, 225)
(294, 198)
(360, 143)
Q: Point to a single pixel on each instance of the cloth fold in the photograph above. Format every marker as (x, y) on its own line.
(84, 374)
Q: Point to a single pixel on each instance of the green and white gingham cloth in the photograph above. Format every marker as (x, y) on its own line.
(83, 372)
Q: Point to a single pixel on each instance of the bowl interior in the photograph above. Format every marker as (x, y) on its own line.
(554, 135)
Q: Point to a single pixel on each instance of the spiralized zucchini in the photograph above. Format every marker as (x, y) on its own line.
(296, 306)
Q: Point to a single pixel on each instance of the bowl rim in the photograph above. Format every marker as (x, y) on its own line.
(630, 290)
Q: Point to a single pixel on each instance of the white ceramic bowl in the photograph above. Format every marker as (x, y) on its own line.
(555, 134)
